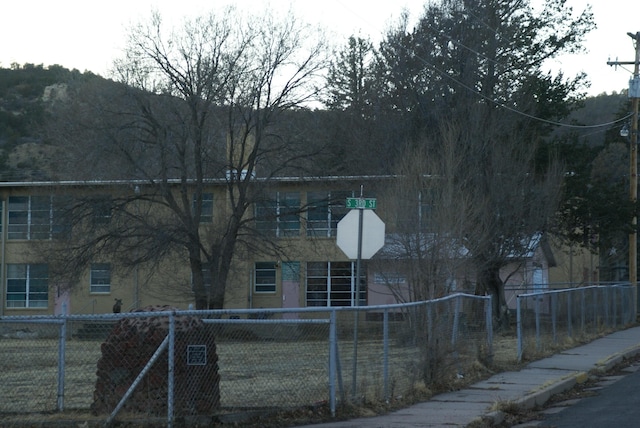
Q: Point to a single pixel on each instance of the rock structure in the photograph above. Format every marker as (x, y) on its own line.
(130, 346)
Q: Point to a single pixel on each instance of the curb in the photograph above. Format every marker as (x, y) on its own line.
(541, 396)
(608, 363)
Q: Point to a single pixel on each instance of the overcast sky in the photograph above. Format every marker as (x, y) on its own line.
(88, 35)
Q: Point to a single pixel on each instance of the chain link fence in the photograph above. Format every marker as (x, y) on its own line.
(159, 364)
(549, 320)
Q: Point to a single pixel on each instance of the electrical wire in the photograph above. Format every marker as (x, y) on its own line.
(476, 92)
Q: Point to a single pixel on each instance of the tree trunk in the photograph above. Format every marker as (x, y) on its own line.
(197, 282)
(219, 275)
(490, 283)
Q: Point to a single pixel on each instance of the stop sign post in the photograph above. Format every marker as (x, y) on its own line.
(360, 235)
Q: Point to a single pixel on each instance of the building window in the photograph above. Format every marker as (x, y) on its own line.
(27, 286)
(279, 214)
(265, 277)
(389, 278)
(206, 212)
(325, 210)
(426, 210)
(266, 216)
(289, 214)
(101, 207)
(207, 279)
(333, 284)
(100, 281)
(36, 217)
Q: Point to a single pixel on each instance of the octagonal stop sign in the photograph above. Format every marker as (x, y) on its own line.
(372, 234)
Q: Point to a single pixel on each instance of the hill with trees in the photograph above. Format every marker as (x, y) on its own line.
(24, 152)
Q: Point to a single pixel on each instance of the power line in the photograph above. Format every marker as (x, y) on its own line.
(514, 110)
(502, 105)
(476, 92)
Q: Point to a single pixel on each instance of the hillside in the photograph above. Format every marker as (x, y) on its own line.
(602, 109)
(24, 150)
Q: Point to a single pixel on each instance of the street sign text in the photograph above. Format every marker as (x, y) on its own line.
(361, 203)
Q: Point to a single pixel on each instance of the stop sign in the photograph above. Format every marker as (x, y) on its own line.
(372, 234)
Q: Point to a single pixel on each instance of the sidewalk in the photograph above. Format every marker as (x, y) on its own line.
(531, 386)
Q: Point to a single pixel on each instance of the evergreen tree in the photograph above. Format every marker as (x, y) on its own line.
(469, 81)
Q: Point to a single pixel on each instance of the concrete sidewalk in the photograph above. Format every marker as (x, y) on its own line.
(531, 386)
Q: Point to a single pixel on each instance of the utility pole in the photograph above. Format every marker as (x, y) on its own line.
(634, 94)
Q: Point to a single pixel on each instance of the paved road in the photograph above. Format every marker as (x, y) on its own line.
(616, 405)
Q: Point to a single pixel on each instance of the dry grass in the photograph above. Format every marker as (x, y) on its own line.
(255, 374)
(258, 374)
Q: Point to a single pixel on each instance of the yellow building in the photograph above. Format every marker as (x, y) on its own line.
(299, 217)
(305, 239)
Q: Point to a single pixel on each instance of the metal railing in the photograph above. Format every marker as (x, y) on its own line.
(546, 320)
(167, 364)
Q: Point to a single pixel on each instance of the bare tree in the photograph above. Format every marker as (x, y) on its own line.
(467, 82)
(465, 210)
(203, 102)
(511, 205)
(426, 244)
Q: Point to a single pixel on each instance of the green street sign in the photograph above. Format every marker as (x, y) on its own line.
(361, 203)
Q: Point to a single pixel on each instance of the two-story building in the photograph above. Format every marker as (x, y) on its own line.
(300, 217)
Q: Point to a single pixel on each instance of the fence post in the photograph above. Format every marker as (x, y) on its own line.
(569, 314)
(488, 309)
(456, 321)
(519, 326)
(333, 359)
(537, 308)
(62, 344)
(554, 316)
(385, 356)
(429, 321)
(628, 308)
(354, 369)
(615, 307)
(631, 306)
(623, 306)
(171, 366)
(606, 306)
(594, 297)
(583, 310)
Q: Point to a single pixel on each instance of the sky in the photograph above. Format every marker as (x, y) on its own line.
(89, 35)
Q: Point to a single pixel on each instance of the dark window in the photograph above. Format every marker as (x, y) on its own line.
(100, 281)
(206, 213)
(325, 210)
(27, 286)
(332, 284)
(279, 214)
(265, 277)
(37, 217)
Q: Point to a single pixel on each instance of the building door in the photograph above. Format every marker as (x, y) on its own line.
(62, 302)
(538, 279)
(291, 287)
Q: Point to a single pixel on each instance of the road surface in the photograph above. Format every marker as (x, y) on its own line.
(615, 405)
